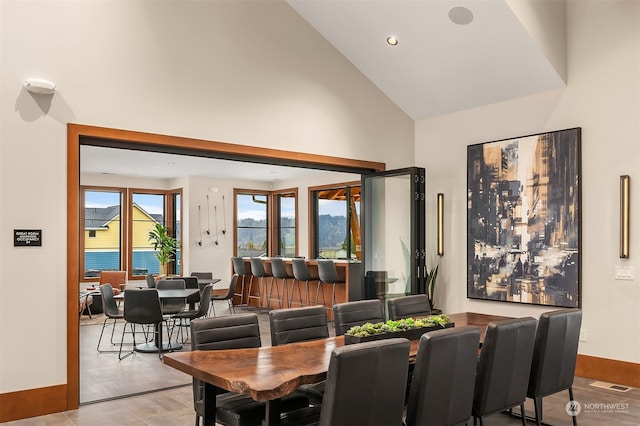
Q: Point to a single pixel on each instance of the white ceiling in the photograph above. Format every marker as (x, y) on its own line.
(437, 67)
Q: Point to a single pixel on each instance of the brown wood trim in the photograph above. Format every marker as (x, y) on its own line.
(73, 274)
(222, 148)
(33, 402)
(609, 370)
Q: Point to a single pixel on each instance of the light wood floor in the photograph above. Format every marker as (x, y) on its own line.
(106, 382)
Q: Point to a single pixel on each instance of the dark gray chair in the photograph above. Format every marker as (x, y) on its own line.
(192, 282)
(240, 269)
(183, 318)
(554, 356)
(301, 273)
(298, 325)
(203, 275)
(257, 271)
(349, 314)
(112, 313)
(151, 281)
(408, 306)
(142, 306)
(365, 386)
(171, 306)
(233, 283)
(232, 332)
(278, 271)
(328, 273)
(441, 392)
(503, 369)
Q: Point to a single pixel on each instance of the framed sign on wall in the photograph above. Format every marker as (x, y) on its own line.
(523, 219)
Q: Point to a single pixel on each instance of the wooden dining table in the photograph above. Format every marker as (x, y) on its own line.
(271, 372)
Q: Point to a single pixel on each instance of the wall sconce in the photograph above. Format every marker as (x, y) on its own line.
(624, 216)
(440, 224)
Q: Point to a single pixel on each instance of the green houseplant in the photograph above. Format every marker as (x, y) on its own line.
(431, 278)
(409, 328)
(164, 244)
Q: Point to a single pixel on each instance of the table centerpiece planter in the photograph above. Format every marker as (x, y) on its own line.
(408, 328)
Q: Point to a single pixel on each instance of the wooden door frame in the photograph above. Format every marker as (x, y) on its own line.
(79, 134)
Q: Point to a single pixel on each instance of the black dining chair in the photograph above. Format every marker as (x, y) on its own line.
(240, 269)
(142, 306)
(301, 273)
(233, 332)
(408, 306)
(112, 314)
(441, 391)
(359, 312)
(183, 318)
(554, 357)
(228, 296)
(503, 369)
(365, 386)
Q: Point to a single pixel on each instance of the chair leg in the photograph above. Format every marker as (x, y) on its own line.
(231, 307)
(523, 417)
(133, 332)
(537, 409)
(574, 418)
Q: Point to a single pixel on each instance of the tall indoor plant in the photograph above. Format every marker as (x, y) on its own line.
(431, 277)
(164, 244)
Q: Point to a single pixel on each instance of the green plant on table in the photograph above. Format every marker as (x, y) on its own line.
(392, 326)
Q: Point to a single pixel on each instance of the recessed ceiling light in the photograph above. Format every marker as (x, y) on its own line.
(392, 41)
(460, 15)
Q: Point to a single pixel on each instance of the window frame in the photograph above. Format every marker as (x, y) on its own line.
(277, 234)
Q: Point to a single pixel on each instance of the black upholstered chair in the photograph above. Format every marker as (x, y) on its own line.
(203, 275)
(298, 324)
(142, 306)
(328, 273)
(183, 318)
(112, 313)
(365, 386)
(240, 270)
(408, 306)
(278, 271)
(151, 281)
(554, 356)
(349, 314)
(232, 332)
(503, 369)
(191, 282)
(233, 283)
(441, 391)
(171, 306)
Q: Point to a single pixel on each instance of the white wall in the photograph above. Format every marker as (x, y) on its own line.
(603, 98)
(249, 72)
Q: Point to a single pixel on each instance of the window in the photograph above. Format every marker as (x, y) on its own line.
(286, 213)
(116, 238)
(251, 211)
(335, 221)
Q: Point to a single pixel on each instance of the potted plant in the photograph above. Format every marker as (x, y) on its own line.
(408, 328)
(431, 277)
(164, 244)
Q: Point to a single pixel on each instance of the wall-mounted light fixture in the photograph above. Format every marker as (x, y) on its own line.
(440, 224)
(40, 86)
(624, 216)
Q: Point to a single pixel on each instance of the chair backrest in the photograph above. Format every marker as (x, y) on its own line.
(298, 324)
(301, 270)
(327, 271)
(228, 332)
(205, 275)
(205, 301)
(504, 365)
(114, 278)
(232, 288)
(191, 282)
(408, 306)
(142, 306)
(257, 267)
(349, 314)
(238, 266)
(278, 268)
(443, 377)
(366, 384)
(151, 281)
(175, 304)
(555, 351)
(109, 305)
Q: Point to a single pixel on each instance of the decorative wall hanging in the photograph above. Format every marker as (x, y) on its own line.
(523, 219)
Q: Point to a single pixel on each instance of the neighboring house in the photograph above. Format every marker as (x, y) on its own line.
(102, 240)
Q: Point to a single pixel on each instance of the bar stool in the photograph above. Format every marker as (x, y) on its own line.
(278, 271)
(257, 271)
(301, 273)
(328, 274)
(239, 269)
